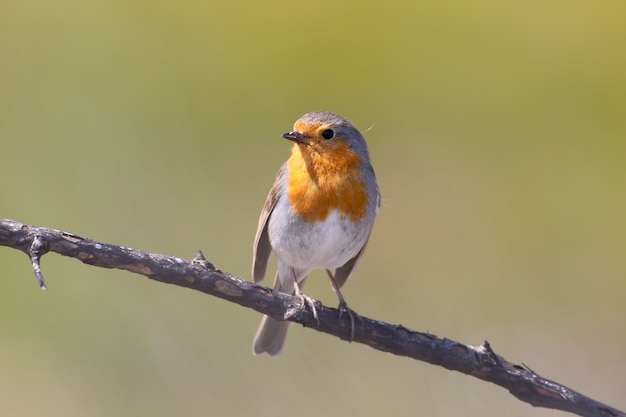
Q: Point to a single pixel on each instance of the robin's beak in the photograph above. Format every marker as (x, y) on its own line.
(296, 137)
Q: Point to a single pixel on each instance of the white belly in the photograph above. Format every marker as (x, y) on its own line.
(322, 245)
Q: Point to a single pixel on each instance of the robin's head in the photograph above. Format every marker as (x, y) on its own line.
(327, 134)
(329, 168)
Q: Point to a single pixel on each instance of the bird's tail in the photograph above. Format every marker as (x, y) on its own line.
(270, 337)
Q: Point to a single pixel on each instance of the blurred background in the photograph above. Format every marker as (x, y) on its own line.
(498, 134)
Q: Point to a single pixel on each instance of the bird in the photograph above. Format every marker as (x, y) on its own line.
(319, 215)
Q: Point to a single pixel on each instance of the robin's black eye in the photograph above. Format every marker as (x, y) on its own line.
(328, 134)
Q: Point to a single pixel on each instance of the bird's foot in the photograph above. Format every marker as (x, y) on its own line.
(304, 301)
(343, 307)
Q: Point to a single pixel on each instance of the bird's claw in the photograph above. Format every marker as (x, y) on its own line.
(343, 307)
(304, 301)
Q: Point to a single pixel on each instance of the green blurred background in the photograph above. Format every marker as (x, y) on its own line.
(498, 132)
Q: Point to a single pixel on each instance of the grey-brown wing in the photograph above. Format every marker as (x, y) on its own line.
(343, 272)
(262, 247)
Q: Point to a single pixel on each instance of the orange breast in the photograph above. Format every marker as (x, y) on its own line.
(321, 181)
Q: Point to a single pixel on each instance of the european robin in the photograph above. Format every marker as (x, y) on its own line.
(318, 215)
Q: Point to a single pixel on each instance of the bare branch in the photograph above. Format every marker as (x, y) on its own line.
(198, 274)
(36, 250)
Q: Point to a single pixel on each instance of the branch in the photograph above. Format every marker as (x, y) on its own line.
(200, 275)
